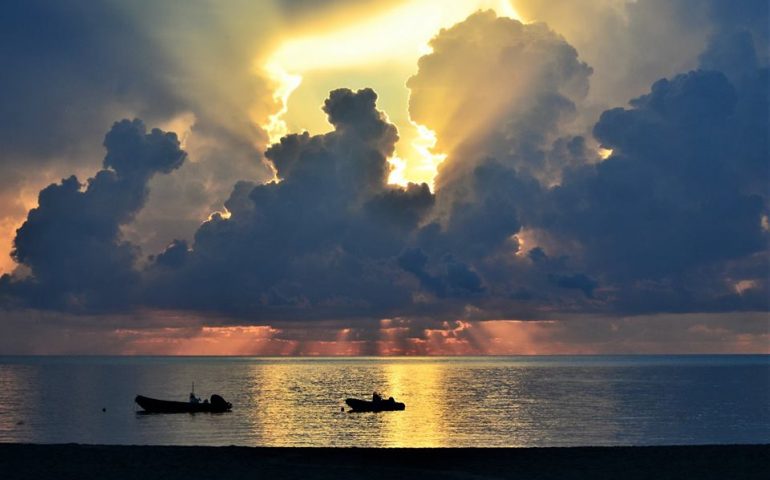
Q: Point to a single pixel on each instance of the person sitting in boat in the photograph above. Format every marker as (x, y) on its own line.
(376, 397)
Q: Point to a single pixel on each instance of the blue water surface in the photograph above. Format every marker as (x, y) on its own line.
(451, 401)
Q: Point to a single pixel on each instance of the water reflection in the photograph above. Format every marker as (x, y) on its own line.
(421, 387)
(12, 421)
(298, 402)
(449, 402)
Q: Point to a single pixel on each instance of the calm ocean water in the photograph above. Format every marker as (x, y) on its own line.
(451, 402)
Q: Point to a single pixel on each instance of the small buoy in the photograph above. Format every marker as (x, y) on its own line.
(104, 409)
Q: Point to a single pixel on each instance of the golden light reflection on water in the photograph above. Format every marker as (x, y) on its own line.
(268, 381)
(450, 402)
(296, 402)
(419, 386)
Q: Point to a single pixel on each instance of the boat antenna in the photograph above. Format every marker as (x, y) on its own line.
(193, 387)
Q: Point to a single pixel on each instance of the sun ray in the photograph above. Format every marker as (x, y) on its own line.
(285, 83)
(398, 38)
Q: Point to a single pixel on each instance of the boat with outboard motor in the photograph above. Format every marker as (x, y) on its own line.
(376, 404)
(216, 404)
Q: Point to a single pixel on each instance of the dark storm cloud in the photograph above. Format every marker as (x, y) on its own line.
(71, 242)
(679, 195)
(631, 44)
(748, 16)
(484, 222)
(320, 240)
(526, 221)
(578, 282)
(511, 90)
(67, 67)
(70, 70)
(451, 278)
(659, 226)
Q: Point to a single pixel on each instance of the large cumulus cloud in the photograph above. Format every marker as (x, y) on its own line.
(675, 219)
(631, 44)
(317, 241)
(680, 195)
(526, 221)
(496, 87)
(672, 221)
(500, 96)
(71, 242)
(70, 70)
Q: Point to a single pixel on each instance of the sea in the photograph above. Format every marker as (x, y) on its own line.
(526, 401)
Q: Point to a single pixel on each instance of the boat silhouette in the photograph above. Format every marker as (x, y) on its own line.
(376, 404)
(217, 404)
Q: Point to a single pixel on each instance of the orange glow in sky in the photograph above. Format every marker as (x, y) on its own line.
(396, 337)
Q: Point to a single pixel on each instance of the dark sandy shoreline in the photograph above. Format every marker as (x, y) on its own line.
(21, 461)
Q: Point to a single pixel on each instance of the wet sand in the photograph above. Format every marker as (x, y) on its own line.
(62, 462)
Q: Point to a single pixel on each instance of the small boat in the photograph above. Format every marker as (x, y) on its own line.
(388, 405)
(217, 404)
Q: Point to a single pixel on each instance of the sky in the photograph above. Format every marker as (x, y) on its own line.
(392, 177)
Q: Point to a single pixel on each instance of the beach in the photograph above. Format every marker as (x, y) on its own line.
(71, 461)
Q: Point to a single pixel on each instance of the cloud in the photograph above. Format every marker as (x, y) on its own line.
(153, 334)
(71, 242)
(320, 241)
(631, 44)
(76, 69)
(679, 194)
(500, 96)
(494, 87)
(70, 71)
(452, 278)
(749, 16)
(578, 282)
(527, 221)
(628, 43)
